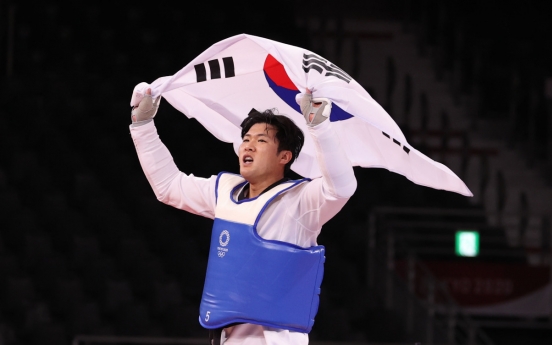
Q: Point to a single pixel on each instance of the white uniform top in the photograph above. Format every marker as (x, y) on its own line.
(296, 216)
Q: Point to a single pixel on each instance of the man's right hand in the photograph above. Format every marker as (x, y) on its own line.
(146, 109)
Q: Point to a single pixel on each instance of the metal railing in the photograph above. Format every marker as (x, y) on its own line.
(386, 242)
(423, 288)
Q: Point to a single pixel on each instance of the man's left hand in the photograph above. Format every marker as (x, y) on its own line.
(315, 110)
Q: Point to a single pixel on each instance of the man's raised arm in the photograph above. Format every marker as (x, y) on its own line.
(170, 185)
(338, 183)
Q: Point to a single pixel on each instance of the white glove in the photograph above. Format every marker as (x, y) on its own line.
(146, 109)
(315, 110)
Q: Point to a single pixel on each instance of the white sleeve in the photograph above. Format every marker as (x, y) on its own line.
(170, 185)
(323, 198)
(338, 176)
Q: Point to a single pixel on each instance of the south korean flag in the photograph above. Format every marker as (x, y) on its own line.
(221, 86)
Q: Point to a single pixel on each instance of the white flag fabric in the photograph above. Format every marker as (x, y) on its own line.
(244, 72)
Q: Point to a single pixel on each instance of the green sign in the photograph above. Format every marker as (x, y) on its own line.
(467, 243)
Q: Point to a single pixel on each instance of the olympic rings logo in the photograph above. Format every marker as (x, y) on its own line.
(221, 254)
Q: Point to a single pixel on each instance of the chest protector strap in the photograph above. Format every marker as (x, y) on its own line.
(253, 280)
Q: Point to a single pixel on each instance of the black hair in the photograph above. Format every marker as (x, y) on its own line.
(290, 137)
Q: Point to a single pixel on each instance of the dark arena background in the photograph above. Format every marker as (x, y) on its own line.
(89, 256)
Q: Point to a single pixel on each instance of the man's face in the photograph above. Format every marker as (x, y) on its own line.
(259, 157)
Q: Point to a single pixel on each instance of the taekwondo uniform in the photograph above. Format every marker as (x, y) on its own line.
(288, 216)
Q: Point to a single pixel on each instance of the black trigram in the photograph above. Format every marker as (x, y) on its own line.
(214, 68)
(320, 64)
(406, 149)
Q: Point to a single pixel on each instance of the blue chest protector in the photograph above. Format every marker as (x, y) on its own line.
(253, 280)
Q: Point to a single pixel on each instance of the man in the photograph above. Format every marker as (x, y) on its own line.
(263, 246)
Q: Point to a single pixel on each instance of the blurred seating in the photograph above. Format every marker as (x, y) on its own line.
(96, 273)
(166, 294)
(10, 203)
(3, 180)
(85, 186)
(23, 166)
(84, 251)
(130, 251)
(117, 293)
(7, 333)
(19, 295)
(68, 294)
(100, 209)
(144, 274)
(134, 318)
(9, 266)
(53, 207)
(176, 321)
(36, 316)
(50, 334)
(47, 271)
(21, 223)
(37, 247)
(86, 319)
